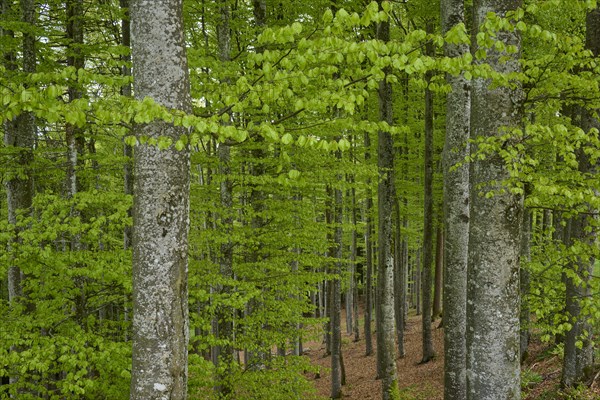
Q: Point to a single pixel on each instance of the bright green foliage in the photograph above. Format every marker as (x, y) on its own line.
(295, 92)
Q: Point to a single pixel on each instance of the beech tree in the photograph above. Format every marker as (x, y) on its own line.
(283, 101)
(578, 348)
(456, 212)
(386, 349)
(161, 207)
(493, 363)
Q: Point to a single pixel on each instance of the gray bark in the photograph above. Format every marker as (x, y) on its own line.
(525, 283)
(224, 316)
(417, 281)
(19, 133)
(426, 282)
(399, 280)
(161, 208)
(386, 349)
(257, 196)
(368, 256)
(356, 328)
(349, 295)
(337, 378)
(439, 260)
(493, 370)
(126, 91)
(456, 214)
(74, 134)
(578, 361)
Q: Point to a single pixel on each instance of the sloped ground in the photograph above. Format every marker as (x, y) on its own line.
(417, 381)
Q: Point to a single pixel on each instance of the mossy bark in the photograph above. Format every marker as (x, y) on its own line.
(161, 207)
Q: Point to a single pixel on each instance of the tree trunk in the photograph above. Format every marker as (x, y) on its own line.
(127, 149)
(493, 370)
(368, 256)
(19, 133)
(126, 91)
(456, 213)
(161, 208)
(417, 281)
(349, 297)
(426, 283)
(578, 360)
(399, 287)
(225, 313)
(439, 261)
(355, 327)
(74, 134)
(337, 377)
(525, 283)
(386, 349)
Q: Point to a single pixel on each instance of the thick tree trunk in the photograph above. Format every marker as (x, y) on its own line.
(493, 368)
(456, 214)
(161, 208)
(386, 349)
(426, 283)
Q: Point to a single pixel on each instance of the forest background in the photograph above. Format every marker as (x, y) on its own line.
(318, 137)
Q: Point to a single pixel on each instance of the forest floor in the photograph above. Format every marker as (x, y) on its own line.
(541, 370)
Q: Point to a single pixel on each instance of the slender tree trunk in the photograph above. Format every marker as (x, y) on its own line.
(439, 260)
(74, 134)
(225, 313)
(426, 283)
(257, 196)
(578, 360)
(356, 328)
(493, 370)
(399, 286)
(349, 297)
(19, 134)
(126, 91)
(386, 349)
(525, 283)
(456, 214)
(337, 375)
(75, 139)
(368, 256)
(161, 208)
(127, 149)
(417, 281)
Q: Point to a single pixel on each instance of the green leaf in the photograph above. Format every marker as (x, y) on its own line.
(130, 140)
(287, 139)
(294, 174)
(344, 144)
